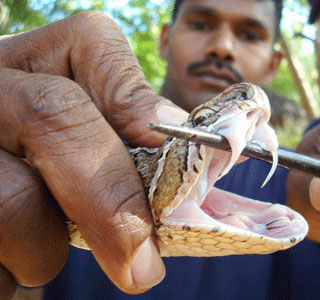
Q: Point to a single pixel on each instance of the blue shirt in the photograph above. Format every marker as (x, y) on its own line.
(293, 274)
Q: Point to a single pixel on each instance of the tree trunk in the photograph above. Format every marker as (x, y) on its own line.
(302, 85)
(317, 49)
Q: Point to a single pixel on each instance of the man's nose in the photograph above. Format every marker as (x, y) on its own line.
(221, 44)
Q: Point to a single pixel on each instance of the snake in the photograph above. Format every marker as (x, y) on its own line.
(192, 217)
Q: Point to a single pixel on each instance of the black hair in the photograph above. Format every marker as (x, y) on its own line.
(314, 12)
(278, 14)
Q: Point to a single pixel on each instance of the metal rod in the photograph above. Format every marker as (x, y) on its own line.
(287, 159)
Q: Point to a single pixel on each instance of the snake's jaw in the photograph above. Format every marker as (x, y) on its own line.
(212, 222)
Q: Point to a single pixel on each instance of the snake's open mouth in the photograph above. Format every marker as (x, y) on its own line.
(267, 219)
(213, 207)
(210, 206)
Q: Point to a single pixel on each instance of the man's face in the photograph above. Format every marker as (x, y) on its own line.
(213, 44)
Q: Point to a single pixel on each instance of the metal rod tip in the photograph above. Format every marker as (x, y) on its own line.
(152, 125)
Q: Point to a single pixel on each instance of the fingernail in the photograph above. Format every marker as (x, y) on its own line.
(314, 191)
(171, 115)
(147, 268)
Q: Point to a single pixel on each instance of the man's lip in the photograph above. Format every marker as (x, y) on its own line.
(216, 75)
(217, 83)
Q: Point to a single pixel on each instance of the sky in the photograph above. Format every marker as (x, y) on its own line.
(289, 17)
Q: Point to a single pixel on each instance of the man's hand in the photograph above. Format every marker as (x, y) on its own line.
(68, 93)
(304, 191)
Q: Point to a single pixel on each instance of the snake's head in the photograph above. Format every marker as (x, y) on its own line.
(241, 114)
(246, 95)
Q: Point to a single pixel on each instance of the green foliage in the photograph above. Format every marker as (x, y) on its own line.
(283, 83)
(24, 15)
(290, 135)
(142, 26)
(17, 15)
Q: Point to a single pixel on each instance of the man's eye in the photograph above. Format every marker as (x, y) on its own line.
(198, 25)
(250, 36)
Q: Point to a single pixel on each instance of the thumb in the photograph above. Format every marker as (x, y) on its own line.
(314, 191)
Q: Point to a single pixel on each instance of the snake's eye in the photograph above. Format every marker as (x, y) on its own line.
(202, 115)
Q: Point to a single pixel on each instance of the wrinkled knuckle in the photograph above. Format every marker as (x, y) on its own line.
(15, 198)
(93, 20)
(100, 37)
(15, 204)
(46, 105)
(51, 95)
(124, 79)
(134, 99)
(131, 199)
(126, 190)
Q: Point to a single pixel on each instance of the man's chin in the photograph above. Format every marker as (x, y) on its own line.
(192, 96)
(198, 98)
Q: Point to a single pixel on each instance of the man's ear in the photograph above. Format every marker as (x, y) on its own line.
(273, 67)
(164, 41)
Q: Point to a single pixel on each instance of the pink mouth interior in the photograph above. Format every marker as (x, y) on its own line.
(210, 206)
(267, 219)
(207, 205)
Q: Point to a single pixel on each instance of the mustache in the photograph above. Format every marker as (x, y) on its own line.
(195, 67)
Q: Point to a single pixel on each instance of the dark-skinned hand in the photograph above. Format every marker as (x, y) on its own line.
(304, 191)
(69, 92)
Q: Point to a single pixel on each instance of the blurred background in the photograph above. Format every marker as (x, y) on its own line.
(294, 95)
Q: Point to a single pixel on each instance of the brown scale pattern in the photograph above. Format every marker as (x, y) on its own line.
(207, 242)
(172, 175)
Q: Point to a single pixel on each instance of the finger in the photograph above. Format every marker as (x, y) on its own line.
(91, 49)
(7, 284)
(34, 242)
(87, 169)
(315, 193)
(302, 197)
(302, 190)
